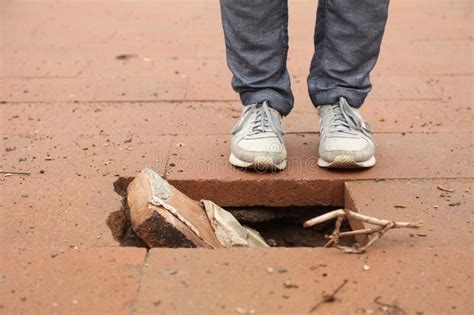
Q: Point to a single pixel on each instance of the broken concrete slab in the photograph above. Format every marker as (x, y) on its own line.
(229, 231)
(155, 214)
(162, 216)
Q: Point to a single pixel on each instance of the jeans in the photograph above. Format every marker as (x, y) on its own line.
(347, 44)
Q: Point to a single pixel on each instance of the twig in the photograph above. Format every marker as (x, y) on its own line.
(445, 189)
(329, 298)
(359, 232)
(396, 308)
(382, 227)
(15, 173)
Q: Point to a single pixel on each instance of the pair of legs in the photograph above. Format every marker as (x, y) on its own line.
(347, 44)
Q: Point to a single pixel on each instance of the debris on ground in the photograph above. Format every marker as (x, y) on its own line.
(329, 298)
(228, 230)
(444, 189)
(245, 311)
(382, 226)
(159, 215)
(125, 56)
(10, 173)
(391, 309)
(289, 284)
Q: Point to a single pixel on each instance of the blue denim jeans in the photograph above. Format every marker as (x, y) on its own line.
(347, 44)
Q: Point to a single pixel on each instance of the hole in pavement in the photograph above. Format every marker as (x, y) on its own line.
(279, 226)
(283, 226)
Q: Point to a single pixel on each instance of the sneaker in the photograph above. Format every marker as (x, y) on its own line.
(345, 137)
(257, 140)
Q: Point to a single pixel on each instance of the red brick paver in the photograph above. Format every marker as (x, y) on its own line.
(444, 206)
(304, 183)
(231, 281)
(72, 281)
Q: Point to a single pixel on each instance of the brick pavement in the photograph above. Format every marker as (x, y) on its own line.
(76, 116)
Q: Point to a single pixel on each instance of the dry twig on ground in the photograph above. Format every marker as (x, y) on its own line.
(329, 298)
(382, 226)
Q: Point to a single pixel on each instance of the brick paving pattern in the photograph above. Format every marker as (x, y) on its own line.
(90, 90)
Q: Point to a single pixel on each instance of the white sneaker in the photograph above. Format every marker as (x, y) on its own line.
(345, 137)
(257, 140)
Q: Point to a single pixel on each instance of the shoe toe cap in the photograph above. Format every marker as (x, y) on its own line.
(248, 149)
(270, 145)
(361, 149)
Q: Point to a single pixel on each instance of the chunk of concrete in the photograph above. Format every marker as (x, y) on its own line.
(228, 230)
(162, 216)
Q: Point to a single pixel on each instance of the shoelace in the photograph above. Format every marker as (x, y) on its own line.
(263, 121)
(345, 119)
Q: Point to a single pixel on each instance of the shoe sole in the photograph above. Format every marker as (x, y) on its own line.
(260, 162)
(346, 161)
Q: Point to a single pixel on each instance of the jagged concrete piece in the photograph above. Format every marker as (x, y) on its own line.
(229, 231)
(162, 216)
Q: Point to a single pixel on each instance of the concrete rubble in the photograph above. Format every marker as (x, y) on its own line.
(159, 215)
